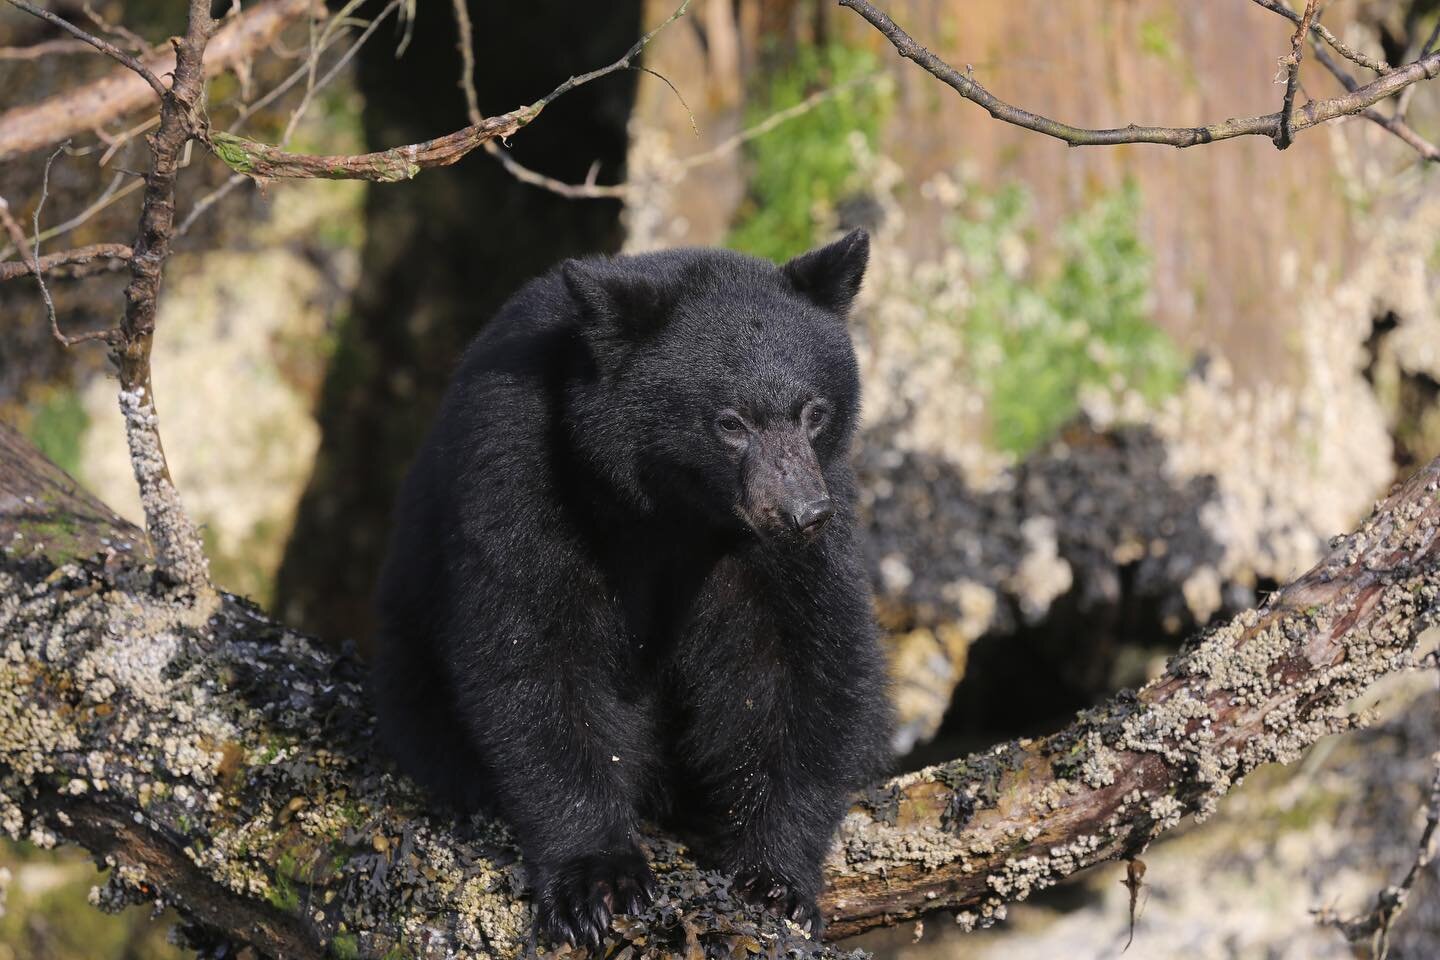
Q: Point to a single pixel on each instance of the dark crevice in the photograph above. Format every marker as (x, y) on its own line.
(442, 253)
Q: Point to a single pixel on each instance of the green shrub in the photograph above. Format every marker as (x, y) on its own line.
(806, 164)
(1036, 339)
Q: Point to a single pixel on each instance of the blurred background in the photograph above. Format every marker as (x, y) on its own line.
(1111, 394)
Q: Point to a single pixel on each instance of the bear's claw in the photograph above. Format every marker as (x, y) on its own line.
(779, 897)
(580, 897)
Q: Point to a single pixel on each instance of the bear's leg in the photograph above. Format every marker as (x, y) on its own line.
(775, 830)
(571, 761)
(766, 769)
(784, 680)
(419, 726)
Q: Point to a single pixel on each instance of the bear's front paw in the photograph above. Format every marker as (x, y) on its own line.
(780, 897)
(579, 897)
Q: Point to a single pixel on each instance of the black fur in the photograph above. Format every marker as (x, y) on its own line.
(624, 580)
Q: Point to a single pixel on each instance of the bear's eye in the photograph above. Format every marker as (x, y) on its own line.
(730, 425)
(815, 415)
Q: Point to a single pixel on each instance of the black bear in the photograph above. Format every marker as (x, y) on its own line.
(624, 580)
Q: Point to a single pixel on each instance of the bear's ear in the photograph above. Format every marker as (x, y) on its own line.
(617, 297)
(831, 275)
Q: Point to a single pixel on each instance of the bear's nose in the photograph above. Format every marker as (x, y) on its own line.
(812, 516)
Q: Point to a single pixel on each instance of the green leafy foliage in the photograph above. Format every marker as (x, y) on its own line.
(806, 165)
(1036, 339)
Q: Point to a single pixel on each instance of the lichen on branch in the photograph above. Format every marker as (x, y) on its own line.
(225, 764)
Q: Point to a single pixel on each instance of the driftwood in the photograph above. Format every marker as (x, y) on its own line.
(223, 764)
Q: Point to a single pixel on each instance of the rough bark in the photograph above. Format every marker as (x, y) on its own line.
(223, 764)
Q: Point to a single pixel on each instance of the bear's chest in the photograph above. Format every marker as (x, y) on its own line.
(655, 585)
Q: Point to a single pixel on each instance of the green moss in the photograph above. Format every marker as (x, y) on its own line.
(345, 947)
(57, 426)
(233, 151)
(806, 164)
(1037, 339)
(283, 892)
(59, 534)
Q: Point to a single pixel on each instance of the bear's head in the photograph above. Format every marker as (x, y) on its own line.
(720, 388)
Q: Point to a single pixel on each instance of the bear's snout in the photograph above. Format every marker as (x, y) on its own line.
(785, 494)
(810, 518)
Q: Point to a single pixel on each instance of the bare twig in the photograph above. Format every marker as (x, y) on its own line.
(79, 262)
(1394, 124)
(1402, 104)
(1313, 113)
(264, 162)
(313, 62)
(104, 46)
(1376, 926)
(762, 127)
(35, 267)
(464, 40)
(17, 236)
(136, 42)
(320, 44)
(116, 143)
(1349, 53)
(589, 189)
(32, 264)
(119, 188)
(1290, 67)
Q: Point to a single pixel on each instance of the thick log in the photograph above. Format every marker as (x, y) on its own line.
(223, 764)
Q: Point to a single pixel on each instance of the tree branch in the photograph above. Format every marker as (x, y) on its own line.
(264, 162)
(1290, 64)
(45, 48)
(179, 551)
(1318, 29)
(1394, 124)
(227, 764)
(81, 261)
(92, 105)
(1269, 125)
(1376, 926)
